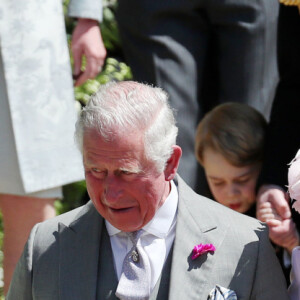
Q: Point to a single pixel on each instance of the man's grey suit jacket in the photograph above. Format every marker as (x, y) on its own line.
(60, 259)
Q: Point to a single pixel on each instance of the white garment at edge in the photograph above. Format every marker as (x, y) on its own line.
(37, 144)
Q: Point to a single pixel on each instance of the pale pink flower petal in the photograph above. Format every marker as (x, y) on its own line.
(296, 206)
(294, 181)
(201, 249)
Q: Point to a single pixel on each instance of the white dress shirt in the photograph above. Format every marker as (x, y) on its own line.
(157, 238)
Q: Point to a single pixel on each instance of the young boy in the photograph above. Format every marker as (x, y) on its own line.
(229, 145)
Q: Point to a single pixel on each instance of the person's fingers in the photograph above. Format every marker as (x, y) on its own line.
(87, 41)
(285, 235)
(80, 80)
(273, 223)
(266, 213)
(286, 229)
(281, 205)
(93, 67)
(75, 77)
(260, 207)
(265, 205)
(276, 197)
(77, 57)
(271, 216)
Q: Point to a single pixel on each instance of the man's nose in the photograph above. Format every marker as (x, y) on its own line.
(112, 188)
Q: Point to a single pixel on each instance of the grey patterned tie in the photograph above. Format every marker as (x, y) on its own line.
(135, 279)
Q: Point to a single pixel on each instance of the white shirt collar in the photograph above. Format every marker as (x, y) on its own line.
(162, 220)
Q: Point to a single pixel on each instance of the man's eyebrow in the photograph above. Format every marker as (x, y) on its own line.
(131, 170)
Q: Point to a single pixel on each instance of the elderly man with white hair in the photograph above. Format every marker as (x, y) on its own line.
(145, 234)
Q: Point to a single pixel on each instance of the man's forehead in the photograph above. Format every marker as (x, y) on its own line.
(111, 154)
(126, 149)
(91, 134)
(113, 137)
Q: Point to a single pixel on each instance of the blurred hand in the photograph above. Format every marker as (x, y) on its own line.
(274, 198)
(87, 40)
(284, 235)
(273, 208)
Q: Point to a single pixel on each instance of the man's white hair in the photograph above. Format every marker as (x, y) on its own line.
(128, 107)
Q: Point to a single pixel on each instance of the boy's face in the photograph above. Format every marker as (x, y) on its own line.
(231, 186)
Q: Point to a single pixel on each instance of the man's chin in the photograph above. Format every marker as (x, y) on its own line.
(126, 223)
(128, 227)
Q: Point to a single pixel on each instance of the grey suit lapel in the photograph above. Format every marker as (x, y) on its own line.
(189, 278)
(107, 278)
(79, 251)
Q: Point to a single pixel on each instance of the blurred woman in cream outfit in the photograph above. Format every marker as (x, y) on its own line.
(37, 112)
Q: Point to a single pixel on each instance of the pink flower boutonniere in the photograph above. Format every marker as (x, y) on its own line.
(201, 249)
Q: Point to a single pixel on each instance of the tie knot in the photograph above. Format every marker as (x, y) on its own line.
(134, 236)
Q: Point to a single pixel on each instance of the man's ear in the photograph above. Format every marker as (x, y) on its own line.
(173, 163)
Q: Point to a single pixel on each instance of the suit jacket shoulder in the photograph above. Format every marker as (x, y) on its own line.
(59, 258)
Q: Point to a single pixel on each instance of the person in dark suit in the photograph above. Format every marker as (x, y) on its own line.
(203, 53)
(127, 135)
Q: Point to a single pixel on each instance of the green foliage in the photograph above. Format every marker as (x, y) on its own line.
(113, 71)
(73, 197)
